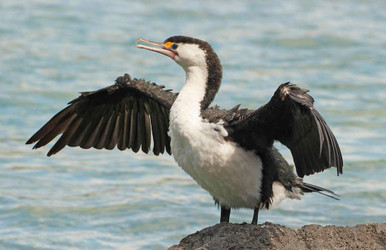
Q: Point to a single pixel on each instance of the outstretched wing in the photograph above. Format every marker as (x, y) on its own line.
(124, 115)
(291, 118)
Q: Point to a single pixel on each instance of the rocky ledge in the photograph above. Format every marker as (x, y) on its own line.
(273, 236)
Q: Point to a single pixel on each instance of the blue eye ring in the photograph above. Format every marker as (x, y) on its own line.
(174, 46)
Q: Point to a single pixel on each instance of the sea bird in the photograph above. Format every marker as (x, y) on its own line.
(229, 153)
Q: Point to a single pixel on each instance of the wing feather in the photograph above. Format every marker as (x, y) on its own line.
(60, 128)
(65, 138)
(123, 129)
(155, 129)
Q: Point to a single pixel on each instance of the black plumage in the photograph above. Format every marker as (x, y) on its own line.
(123, 115)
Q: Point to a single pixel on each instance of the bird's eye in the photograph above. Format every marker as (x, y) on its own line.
(174, 46)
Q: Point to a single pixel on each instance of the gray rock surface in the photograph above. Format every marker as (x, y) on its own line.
(273, 236)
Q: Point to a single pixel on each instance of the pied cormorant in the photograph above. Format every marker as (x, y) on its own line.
(229, 153)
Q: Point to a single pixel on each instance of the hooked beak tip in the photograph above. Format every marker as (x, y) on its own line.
(138, 41)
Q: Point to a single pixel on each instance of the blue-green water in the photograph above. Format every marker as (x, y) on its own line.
(90, 199)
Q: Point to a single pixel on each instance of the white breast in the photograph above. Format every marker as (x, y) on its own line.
(229, 173)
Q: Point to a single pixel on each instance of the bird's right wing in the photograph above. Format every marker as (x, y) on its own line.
(124, 115)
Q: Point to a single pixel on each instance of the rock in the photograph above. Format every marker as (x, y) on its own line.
(273, 236)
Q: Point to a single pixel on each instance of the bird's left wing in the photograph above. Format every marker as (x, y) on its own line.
(291, 118)
(124, 115)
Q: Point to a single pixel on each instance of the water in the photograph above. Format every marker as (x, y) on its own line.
(89, 199)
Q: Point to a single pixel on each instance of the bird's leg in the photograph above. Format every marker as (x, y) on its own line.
(255, 216)
(225, 213)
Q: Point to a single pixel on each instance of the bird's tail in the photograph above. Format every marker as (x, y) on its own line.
(307, 188)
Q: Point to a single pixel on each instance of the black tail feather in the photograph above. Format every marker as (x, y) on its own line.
(307, 187)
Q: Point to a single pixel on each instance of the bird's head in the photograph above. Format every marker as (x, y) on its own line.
(191, 53)
(185, 51)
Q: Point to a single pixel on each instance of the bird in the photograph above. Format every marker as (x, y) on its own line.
(229, 152)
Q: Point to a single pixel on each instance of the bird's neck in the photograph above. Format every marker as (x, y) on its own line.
(187, 107)
(201, 85)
